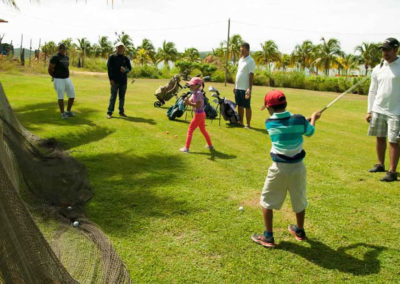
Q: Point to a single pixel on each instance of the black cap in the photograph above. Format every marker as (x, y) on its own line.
(62, 46)
(390, 43)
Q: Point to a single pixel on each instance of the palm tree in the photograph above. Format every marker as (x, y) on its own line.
(167, 53)
(269, 53)
(191, 55)
(370, 54)
(220, 52)
(327, 54)
(284, 62)
(150, 50)
(83, 46)
(105, 46)
(348, 62)
(142, 57)
(302, 54)
(49, 48)
(234, 47)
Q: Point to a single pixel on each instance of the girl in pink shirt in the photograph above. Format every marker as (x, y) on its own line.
(199, 120)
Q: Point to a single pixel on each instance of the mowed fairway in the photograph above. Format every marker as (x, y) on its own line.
(174, 217)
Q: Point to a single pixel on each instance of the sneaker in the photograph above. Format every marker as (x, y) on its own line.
(211, 148)
(109, 116)
(299, 234)
(184, 150)
(389, 177)
(262, 240)
(377, 169)
(123, 115)
(64, 115)
(70, 113)
(247, 127)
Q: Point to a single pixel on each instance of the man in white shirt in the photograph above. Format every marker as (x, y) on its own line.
(384, 108)
(244, 83)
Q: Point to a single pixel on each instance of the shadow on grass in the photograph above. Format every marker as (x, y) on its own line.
(326, 257)
(83, 137)
(181, 121)
(48, 113)
(137, 119)
(261, 130)
(131, 191)
(215, 155)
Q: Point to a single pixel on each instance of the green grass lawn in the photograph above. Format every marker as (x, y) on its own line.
(174, 217)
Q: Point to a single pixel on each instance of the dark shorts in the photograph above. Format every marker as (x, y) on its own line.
(240, 99)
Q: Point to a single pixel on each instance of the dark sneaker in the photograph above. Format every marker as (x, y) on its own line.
(123, 115)
(299, 234)
(262, 240)
(377, 169)
(64, 115)
(389, 177)
(70, 114)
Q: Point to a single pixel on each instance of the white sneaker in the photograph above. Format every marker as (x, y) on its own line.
(109, 116)
(64, 115)
(184, 150)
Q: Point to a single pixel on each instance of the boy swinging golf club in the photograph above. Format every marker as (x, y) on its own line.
(287, 172)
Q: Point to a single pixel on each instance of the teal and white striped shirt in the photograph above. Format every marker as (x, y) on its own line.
(286, 132)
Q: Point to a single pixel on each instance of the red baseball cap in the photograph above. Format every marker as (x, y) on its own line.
(274, 98)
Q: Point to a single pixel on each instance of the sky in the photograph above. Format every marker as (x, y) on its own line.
(203, 24)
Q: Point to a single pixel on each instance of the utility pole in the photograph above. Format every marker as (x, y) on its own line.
(30, 53)
(22, 51)
(227, 51)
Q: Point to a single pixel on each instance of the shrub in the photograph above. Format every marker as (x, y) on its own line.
(145, 71)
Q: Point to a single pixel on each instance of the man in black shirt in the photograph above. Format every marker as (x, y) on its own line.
(59, 71)
(118, 67)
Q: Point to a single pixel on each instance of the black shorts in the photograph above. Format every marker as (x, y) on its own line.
(240, 99)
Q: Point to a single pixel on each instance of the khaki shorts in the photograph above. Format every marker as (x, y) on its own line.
(384, 126)
(281, 178)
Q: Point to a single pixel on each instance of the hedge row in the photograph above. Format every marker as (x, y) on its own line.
(297, 80)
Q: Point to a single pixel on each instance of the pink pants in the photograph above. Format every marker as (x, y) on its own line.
(199, 120)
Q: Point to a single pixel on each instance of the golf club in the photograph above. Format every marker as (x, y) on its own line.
(343, 94)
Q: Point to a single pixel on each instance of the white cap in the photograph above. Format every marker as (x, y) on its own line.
(119, 44)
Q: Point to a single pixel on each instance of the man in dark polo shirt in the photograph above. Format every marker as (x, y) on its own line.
(118, 67)
(59, 71)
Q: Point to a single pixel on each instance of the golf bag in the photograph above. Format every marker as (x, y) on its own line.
(165, 93)
(226, 107)
(178, 108)
(210, 111)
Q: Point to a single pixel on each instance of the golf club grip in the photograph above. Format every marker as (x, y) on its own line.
(324, 109)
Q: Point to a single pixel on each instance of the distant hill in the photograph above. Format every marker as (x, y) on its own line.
(203, 54)
(17, 53)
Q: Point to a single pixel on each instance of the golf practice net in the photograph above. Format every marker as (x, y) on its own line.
(38, 244)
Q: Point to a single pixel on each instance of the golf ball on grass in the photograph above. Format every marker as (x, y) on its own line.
(75, 224)
(241, 208)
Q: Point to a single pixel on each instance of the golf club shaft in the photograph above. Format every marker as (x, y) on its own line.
(343, 94)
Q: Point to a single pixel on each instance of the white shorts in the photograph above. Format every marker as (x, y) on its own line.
(281, 178)
(63, 86)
